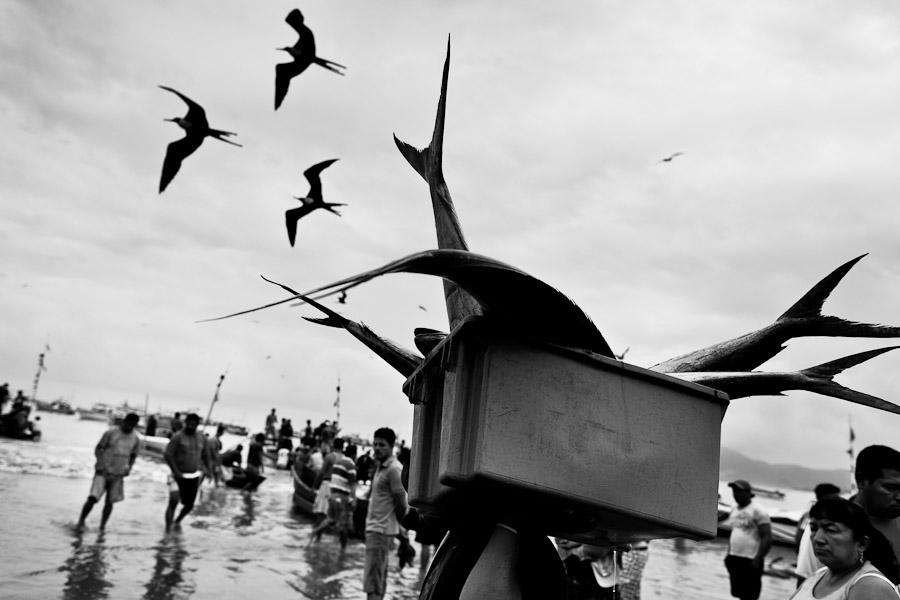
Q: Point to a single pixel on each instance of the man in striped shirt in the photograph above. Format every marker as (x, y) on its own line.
(342, 492)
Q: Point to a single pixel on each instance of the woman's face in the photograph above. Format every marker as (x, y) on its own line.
(833, 544)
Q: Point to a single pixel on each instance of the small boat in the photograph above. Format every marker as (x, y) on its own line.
(57, 406)
(97, 412)
(236, 429)
(239, 479)
(11, 429)
(773, 494)
(154, 445)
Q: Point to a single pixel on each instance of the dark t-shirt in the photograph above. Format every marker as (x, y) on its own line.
(255, 455)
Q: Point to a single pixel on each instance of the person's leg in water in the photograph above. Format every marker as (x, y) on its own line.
(86, 510)
(107, 511)
(98, 489)
(189, 489)
(170, 510)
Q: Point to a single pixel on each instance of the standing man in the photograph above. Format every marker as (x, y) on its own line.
(341, 496)
(387, 507)
(215, 455)
(188, 458)
(750, 541)
(175, 424)
(271, 421)
(116, 452)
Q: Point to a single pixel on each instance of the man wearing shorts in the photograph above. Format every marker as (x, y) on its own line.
(387, 507)
(188, 457)
(116, 452)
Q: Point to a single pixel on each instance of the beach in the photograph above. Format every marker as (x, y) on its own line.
(233, 545)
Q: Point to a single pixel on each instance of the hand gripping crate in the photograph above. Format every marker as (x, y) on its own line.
(585, 447)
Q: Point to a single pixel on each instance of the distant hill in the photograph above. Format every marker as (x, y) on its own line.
(735, 465)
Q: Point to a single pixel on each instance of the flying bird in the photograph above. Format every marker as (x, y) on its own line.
(311, 201)
(669, 158)
(342, 299)
(303, 53)
(196, 129)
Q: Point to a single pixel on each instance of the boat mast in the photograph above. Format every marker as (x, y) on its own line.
(37, 376)
(337, 401)
(852, 457)
(214, 400)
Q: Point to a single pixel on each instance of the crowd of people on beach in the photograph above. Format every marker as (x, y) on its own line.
(849, 548)
(17, 421)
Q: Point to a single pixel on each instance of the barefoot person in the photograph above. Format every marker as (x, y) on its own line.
(116, 452)
(188, 457)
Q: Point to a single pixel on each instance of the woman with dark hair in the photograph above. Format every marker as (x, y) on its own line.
(842, 538)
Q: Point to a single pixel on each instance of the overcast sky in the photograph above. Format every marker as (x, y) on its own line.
(558, 116)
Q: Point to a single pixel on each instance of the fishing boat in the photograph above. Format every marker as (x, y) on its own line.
(12, 428)
(98, 411)
(56, 406)
(153, 445)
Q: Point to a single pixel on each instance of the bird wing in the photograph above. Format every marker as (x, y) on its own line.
(284, 72)
(177, 152)
(312, 176)
(292, 216)
(196, 115)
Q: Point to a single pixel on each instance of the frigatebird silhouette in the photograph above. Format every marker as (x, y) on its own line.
(196, 129)
(303, 53)
(311, 201)
(669, 158)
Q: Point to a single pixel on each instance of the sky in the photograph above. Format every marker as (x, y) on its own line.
(558, 117)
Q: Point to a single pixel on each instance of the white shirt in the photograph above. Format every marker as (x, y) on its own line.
(745, 522)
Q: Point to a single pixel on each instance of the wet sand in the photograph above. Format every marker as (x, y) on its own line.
(233, 545)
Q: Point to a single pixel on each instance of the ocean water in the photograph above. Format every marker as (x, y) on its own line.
(233, 545)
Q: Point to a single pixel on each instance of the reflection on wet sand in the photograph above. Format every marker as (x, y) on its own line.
(327, 569)
(86, 570)
(244, 519)
(167, 581)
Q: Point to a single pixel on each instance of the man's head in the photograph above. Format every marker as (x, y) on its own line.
(129, 422)
(350, 451)
(742, 491)
(177, 415)
(826, 490)
(220, 430)
(878, 480)
(260, 437)
(191, 422)
(383, 443)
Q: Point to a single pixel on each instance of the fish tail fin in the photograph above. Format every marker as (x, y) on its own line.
(807, 312)
(430, 160)
(810, 305)
(416, 158)
(819, 379)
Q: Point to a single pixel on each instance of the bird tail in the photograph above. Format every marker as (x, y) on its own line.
(329, 64)
(222, 135)
(819, 379)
